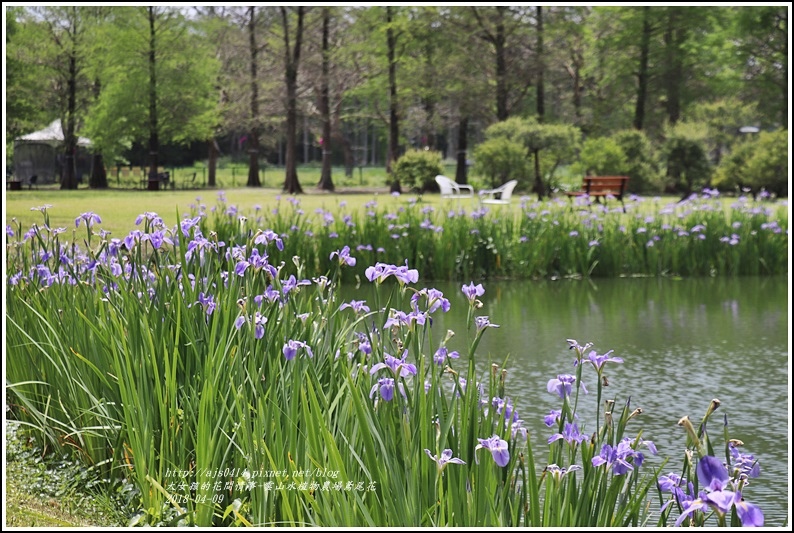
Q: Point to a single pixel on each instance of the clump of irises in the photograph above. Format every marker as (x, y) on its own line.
(207, 348)
(709, 490)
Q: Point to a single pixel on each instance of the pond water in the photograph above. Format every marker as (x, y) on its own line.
(683, 343)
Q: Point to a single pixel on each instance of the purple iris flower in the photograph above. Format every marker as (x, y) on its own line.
(472, 291)
(482, 322)
(133, 237)
(505, 406)
(207, 302)
(498, 448)
(386, 386)
(435, 299)
(442, 354)
(744, 463)
(344, 256)
(290, 284)
(559, 473)
(358, 306)
(598, 361)
(153, 218)
(158, 238)
(563, 384)
(406, 275)
(570, 433)
(377, 273)
(398, 366)
(89, 217)
(612, 457)
(188, 223)
(713, 476)
(552, 418)
(291, 348)
(363, 344)
(259, 324)
(269, 236)
(444, 459)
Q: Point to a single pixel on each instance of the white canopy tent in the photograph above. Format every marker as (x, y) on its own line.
(41, 153)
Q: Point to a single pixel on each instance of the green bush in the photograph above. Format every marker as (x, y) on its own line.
(548, 146)
(768, 167)
(642, 166)
(731, 173)
(758, 164)
(418, 168)
(601, 156)
(688, 166)
(501, 160)
(724, 118)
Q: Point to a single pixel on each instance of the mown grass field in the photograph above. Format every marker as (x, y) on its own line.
(119, 207)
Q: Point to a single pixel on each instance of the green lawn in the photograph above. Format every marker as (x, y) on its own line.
(119, 208)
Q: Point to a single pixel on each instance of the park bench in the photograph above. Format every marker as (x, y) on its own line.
(602, 187)
(153, 184)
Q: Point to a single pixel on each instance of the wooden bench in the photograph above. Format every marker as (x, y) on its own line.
(601, 187)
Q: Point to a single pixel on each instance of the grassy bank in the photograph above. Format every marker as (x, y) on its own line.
(443, 239)
(54, 490)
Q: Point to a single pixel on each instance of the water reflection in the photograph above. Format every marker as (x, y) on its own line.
(683, 343)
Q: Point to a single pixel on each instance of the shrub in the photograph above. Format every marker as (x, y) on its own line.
(724, 118)
(557, 144)
(730, 174)
(642, 166)
(418, 168)
(500, 160)
(601, 156)
(688, 166)
(758, 164)
(768, 166)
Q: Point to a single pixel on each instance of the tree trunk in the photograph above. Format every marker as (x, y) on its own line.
(540, 104)
(577, 94)
(212, 162)
(429, 100)
(673, 37)
(539, 187)
(253, 141)
(394, 127)
(292, 59)
(501, 67)
(463, 135)
(642, 75)
(154, 141)
(326, 181)
(68, 179)
(99, 177)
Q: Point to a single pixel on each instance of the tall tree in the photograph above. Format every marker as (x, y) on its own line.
(642, 71)
(540, 107)
(66, 29)
(26, 107)
(157, 84)
(214, 26)
(394, 116)
(292, 54)
(97, 19)
(566, 32)
(326, 181)
(763, 46)
(253, 140)
(674, 37)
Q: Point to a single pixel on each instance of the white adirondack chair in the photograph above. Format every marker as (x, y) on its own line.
(451, 189)
(500, 195)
